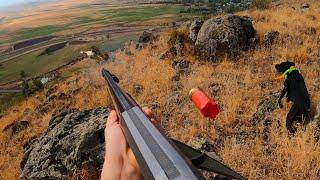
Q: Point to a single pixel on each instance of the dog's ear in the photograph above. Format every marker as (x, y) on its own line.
(278, 67)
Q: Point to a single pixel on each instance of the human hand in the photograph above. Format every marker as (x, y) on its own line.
(119, 161)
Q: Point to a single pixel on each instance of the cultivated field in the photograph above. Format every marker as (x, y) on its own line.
(70, 19)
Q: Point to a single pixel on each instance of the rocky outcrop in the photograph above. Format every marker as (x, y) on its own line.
(74, 138)
(181, 66)
(270, 37)
(194, 30)
(222, 36)
(317, 114)
(267, 105)
(16, 127)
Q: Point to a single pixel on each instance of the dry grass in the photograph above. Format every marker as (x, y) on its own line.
(241, 87)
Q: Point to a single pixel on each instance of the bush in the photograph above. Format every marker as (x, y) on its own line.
(37, 84)
(261, 4)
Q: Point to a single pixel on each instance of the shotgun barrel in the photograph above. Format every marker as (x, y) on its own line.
(157, 156)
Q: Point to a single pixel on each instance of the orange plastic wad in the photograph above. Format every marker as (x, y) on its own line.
(207, 106)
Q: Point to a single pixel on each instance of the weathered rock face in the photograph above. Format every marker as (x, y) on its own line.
(268, 104)
(73, 138)
(270, 37)
(194, 30)
(224, 36)
(16, 127)
(181, 66)
(317, 114)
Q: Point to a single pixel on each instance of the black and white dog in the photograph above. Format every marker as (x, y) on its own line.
(296, 91)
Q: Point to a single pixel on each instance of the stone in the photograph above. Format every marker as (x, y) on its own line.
(270, 37)
(267, 105)
(317, 114)
(174, 99)
(129, 53)
(72, 139)
(16, 127)
(170, 53)
(305, 6)
(194, 29)
(253, 43)
(201, 143)
(222, 36)
(137, 89)
(181, 66)
(316, 84)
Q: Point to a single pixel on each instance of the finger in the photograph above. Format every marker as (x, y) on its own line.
(148, 112)
(112, 118)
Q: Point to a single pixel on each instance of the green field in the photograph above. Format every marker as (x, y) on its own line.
(28, 33)
(35, 65)
(105, 16)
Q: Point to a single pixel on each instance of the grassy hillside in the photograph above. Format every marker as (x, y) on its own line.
(242, 84)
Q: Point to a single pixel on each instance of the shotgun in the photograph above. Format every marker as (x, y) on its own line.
(158, 156)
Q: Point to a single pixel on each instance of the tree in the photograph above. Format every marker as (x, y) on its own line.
(25, 84)
(96, 50)
(37, 84)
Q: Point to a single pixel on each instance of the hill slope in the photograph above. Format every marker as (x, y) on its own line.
(244, 88)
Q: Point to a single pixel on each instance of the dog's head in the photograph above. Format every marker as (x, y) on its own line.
(282, 67)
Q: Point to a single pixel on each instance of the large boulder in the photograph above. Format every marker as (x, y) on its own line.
(222, 36)
(194, 30)
(73, 139)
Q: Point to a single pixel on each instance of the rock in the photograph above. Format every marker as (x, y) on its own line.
(305, 6)
(181, 66)
(253, 43)
(215, 89)
(270, 37)
(105, 56)
(129, 53)
(267, 105)
(73, 138)
(186, 123)
(174, 98)
(145, 37)
(139, 45)
(316, 84)
(201, 143)
(169, 54)
(194, 29)
(222, 36)
(16, 127)
(153, 106)
(137, 89)
(317, 114)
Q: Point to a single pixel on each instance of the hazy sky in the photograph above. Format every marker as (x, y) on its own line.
(6, 3)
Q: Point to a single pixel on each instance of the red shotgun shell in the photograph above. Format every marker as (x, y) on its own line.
(208, 107)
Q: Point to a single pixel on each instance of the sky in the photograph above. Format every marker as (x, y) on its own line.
(7, 3)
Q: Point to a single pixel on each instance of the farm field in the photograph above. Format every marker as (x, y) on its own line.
(75, 20)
